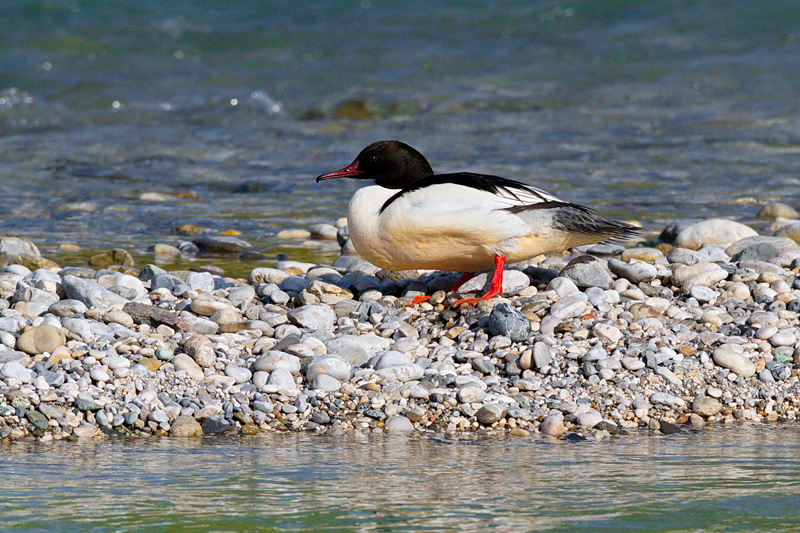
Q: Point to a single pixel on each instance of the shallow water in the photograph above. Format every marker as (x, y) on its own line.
(647, 110)
(724, 479)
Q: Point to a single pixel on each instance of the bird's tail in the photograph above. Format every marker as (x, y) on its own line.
(579, 219)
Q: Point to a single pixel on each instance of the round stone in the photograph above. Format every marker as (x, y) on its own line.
(553, 425)
(326, 383)
(185, 426)
(706, 406)
(490, 413)
(398, 424)
(510, 322)
(40, 339)
(201, 349)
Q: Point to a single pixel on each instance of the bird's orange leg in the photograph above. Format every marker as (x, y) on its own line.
(494, 289)
(465, 277)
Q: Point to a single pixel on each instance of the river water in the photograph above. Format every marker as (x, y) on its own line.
(723, 479)
(651, 110)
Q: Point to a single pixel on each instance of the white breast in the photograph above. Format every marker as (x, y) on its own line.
(446, 227)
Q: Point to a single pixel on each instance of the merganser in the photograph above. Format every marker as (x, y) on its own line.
(407, 217)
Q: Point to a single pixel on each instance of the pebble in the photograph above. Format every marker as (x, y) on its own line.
(570, 306)
(586, 271)
(553, 425)
(185, 426)
(490, 413)
(340, 351)
(41, 339)
(398, 424)
(706, 406)
(201, 349)
(589, 419)
(713, 231)
(735, 362)
(510, 322)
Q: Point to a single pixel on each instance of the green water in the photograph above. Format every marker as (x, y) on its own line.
(724, 479)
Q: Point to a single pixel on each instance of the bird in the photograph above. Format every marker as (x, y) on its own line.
(407, 217)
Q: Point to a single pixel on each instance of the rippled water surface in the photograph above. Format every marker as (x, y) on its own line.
(739, 479)
(652, 110)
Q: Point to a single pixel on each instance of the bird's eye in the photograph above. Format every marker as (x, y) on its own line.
(373, 159)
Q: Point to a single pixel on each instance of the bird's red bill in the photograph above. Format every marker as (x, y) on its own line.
(347, 172)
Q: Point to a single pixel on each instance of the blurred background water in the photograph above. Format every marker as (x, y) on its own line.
(652, 110)
(723, 479)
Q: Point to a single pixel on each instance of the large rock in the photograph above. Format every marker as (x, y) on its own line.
(330, 365)
(41, 339)
(13, 249)
(508, 321)
(90, 293)
(735, 362)
(713, 231)
(185, 426)
(201, 349)
(513, 282)
(274, 360)
(318, 316)
(586, 271)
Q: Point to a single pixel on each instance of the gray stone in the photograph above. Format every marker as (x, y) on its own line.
(735, 362)
(240, 374)
(173, 284)
(513, 282)
(68, 308)
(490, 413)
(634, 272)
(703, 294)
(402, 373)
(90, 293)
(398, 424)
(200, 281)
(13, 369)
(326, 383)
(283, 379)
(222, 244)
(541, 356)
(275, 359)
(510, 322)
(350, 348)
(706, 406)
(391, 358)
(570, 306)
(664, 398)
(586, 271)
(330, 365)
(318, 316)
(589, 419)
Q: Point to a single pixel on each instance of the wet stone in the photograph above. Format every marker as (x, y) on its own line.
(490, 413)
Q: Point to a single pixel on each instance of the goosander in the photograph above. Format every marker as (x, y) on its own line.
(407, 217)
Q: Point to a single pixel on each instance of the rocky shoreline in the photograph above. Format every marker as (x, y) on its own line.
(699, 328)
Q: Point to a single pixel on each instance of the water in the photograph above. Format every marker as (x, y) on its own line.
(737, 479)
(648, 110)
(652, 110)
